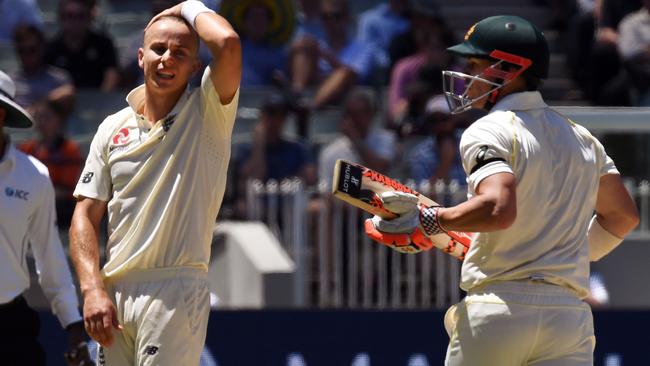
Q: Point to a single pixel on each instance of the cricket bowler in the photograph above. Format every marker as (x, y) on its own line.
(158, 169)
(544, 199)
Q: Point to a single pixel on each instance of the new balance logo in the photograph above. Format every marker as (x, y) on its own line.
(17, 193)
(168, 122)
(87, 177)
(150, 350)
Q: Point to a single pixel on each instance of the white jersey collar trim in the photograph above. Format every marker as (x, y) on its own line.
(520, 102)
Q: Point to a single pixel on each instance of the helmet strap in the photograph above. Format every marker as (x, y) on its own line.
(493, 97)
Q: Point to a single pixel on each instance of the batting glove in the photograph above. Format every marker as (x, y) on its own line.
(409, 232)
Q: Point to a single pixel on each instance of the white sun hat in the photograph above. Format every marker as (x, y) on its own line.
(17, 117)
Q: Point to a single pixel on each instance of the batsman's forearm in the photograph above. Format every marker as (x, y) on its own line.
(84, 250)
(476, 215)
(494, 207)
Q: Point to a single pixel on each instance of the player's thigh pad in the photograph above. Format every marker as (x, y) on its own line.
(509, 328)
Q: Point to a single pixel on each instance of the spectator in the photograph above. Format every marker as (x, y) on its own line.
(432, 37)
(436, 157)
(37, 81)
(361, 142)
(15, 12)
(27, 219)
(381, 23)
(87, 55)
(634, 47)
(260, 57)
(60, 155)
(610, 13)
(272, 155)
(422, 14)
(336, 64)
(309, 22)
(593, 53)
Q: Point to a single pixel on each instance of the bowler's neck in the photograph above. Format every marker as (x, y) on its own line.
(158, 105)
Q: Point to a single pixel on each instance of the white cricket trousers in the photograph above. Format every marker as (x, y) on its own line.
(520, 323)
(164, 313)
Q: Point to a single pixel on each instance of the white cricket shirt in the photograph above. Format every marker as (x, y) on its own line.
(28, 219)
(557, 165)
(164, 182)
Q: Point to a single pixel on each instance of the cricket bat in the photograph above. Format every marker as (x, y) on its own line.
(361, 186)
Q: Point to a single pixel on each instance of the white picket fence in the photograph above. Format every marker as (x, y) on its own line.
(338, 266)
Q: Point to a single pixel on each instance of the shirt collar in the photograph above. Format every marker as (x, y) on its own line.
(9, 157)
(520, 102)
(135, 98)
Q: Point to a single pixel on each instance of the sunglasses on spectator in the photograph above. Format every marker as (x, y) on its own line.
(333, 15)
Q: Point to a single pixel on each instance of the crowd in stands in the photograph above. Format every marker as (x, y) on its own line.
(380, 67)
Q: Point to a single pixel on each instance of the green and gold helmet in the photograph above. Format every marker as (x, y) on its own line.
(506, 39)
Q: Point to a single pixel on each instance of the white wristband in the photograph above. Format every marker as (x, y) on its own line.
(192, 8)
(600, 240)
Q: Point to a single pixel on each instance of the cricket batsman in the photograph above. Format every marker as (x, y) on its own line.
(544, 199)
(158, 169)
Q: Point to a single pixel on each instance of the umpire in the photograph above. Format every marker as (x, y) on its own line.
(28, 217)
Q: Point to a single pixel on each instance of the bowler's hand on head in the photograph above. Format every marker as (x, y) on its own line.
(100, 316)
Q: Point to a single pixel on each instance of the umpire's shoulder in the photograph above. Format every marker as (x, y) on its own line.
(32, 170)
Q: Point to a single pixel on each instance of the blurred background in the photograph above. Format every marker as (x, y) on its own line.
(293, 279)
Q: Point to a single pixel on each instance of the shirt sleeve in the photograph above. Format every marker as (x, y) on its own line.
(95, 180)
(486, 148)
(212, 107)
(360, 57)
(364, 27)
(607, 165)
(51, 265)
(629, 44)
